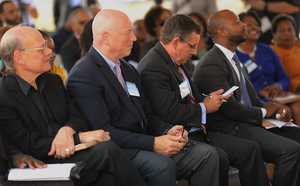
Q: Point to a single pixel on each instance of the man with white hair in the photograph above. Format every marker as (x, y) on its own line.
(108, 92)
(38, 117)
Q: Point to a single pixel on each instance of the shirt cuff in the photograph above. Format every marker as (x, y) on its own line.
(203, 113)
(264, 112)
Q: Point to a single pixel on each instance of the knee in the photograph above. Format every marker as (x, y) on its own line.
(205, 150)
(293, 148)
(253, 149)
(164, 165)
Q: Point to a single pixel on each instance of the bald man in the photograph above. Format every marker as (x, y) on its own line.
(108, 92)
(38, 118)
(237, 126)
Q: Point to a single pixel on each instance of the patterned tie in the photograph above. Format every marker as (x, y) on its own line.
(183, 77)
(119, 75)
(245, 98)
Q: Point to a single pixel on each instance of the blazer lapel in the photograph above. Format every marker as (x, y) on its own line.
(135, 100)
(234, 76)
(194, 90)
(110, 77)
(172, 67)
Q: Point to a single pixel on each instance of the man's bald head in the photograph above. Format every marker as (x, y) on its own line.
(18, 37)
(218, 20)
(226, 28)
(113, 33)
(107, 20)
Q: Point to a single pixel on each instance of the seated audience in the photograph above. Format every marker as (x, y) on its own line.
(240, 120)
(108, 92)
(287, 47)
(263, 65)
(10, 13)
(86, 38)
(55, 61)
(70, 51)
(154, 20)
(39, 119)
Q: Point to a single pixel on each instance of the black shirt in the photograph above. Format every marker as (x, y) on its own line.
(38, 99)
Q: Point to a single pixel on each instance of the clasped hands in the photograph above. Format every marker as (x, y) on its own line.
(63, 144)
(172, 142)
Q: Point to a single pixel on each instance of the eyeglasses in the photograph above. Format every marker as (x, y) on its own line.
(192, 46)
(43, 48)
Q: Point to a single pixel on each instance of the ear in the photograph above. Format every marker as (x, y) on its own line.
(105, 38)
(175, 41)
(17, 57)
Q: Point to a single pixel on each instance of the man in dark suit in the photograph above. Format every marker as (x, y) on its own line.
(37, 116)
(108, 92)
(239, 120)
(167, 84)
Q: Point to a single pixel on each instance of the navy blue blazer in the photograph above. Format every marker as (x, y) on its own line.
(106, 105)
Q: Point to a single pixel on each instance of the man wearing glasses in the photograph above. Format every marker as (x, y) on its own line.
(169, 89)
(37, 116)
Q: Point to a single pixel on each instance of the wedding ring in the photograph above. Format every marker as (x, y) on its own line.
(67, 150)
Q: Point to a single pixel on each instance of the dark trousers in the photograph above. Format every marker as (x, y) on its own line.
(198, 163)
(249, 146)
(104, 164)
(288, 132)
(223, 158)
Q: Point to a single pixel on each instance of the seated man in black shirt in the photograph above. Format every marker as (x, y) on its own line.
(37, 116)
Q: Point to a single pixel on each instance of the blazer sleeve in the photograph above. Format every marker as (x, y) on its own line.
(165, 101)
(212, 76)
(91, 100)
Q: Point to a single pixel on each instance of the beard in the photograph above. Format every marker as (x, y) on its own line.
(237, 39)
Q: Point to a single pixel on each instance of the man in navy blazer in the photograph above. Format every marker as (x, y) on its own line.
(108, 92)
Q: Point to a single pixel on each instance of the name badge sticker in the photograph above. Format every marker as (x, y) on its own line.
(132, 89)
(251, 66)
(184, 89)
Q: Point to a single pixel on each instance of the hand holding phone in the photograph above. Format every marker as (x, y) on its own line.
(230, 91)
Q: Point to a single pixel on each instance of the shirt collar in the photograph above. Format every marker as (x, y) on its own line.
(228, 53)
(25, 86)
(109, 62)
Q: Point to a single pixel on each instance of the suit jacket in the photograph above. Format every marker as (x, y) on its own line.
(70, 52)
(21, 122)
(107, 105)
(215, 72)
(161, 81)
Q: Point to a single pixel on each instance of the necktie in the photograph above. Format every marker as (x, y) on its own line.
(183, 77)
(245, 98)
(119, 74)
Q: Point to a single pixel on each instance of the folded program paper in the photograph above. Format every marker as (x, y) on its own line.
(53, 172)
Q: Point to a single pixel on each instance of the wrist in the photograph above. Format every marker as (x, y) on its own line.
(69, 129)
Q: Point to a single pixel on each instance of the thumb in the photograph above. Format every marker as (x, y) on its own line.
(52, 151)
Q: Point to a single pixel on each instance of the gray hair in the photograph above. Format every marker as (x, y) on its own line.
(9, 43)
(178, 26)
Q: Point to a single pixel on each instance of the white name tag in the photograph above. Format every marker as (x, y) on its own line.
(250, 65)
(184, 89)
(132, 89)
